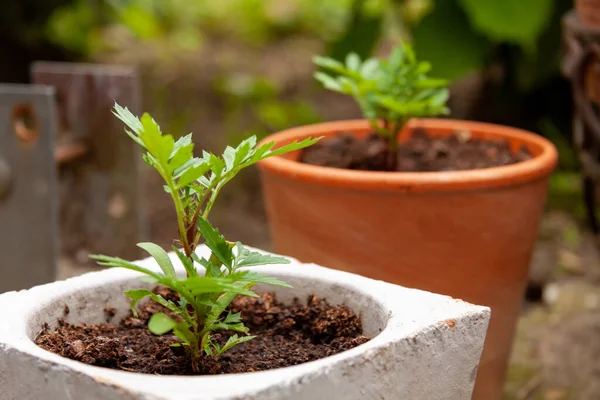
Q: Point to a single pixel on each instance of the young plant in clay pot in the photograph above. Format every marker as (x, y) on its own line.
(442, 205)
(222, 316)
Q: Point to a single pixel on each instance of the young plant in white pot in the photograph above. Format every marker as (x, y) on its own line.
(218, 322)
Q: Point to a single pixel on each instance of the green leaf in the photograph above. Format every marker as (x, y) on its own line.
(215, 242)
(161, 257)
(244, 149)
(250, 277)
(182, 331)
(370, 68)
(248, 258)
(233, 318)
(229, 157)
(183, 151)
(329, 63)
(131, 121)
(119, 262)
(517, 21)
(229, 327)
(295, 145)
(136, 296)
(187, 263)
(397, 57)
(161, 323)
(353, 62)
(329, 82)
(446, 39)
(192, 174)
(232, 342)
(211, 284)
(158, 145)
(440, 98)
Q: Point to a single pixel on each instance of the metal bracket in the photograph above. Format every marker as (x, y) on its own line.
(28, 187)
(101, 199)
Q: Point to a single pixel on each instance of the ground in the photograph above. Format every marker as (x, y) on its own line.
(556, 354)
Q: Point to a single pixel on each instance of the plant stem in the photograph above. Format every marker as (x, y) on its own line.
(391, 153)
(180, 221)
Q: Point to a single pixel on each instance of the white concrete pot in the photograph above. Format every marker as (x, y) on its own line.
(424, 346)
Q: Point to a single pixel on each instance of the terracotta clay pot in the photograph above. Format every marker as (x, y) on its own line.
(589, 12)
(467, 234)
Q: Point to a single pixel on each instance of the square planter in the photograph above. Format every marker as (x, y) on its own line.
(423, 346)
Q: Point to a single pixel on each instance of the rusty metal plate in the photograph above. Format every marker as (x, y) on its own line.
(28, 187)
(101, 192)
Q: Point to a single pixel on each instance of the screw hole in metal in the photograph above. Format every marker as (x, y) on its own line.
(25, 123)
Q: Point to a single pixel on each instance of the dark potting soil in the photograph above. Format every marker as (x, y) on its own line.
(285, 335)
(421, 153)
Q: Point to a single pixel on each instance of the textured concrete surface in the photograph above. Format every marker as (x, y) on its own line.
(424, 346)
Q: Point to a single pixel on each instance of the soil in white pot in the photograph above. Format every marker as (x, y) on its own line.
(285, 335)
(421, 153)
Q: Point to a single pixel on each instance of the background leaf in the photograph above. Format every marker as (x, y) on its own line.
(516, 21)
(445, 38)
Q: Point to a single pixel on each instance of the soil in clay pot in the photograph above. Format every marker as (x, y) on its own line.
(421, 153)
(285, 335)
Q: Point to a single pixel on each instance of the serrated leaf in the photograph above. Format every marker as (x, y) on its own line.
(148, 279)
(248, 258)
(229, 157)
(158, 145)
(244, 149)
(161, 323)
(192, 174)
(430, 83)
(234, 341)
(217, 165)
(181, 155)
(215, 242)
(131, 121)
(233, 318)
(250, 277)
(239, 327)
(161, 257)
(295, 145)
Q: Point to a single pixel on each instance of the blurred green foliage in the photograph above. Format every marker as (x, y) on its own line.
(253, 106)
(474, 31)
(186, 24)
(513, 44)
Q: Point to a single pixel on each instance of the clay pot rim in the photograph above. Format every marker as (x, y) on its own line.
(544, 160)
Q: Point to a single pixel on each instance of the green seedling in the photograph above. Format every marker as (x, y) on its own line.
(194, 184)
(389, 92)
